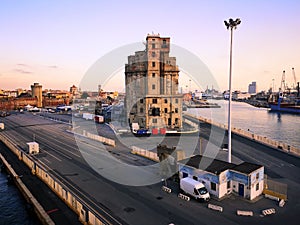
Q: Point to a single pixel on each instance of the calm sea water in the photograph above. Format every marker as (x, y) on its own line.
(277, 126)
(13, 206)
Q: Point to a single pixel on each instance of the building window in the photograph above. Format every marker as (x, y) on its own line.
(176, 121)
(257, 176)
(153, 74)
(213, 186)
(155, 111)
(176, 110)
(257, 186)
(166, 100)
(141, 110)
(153, 86)
(153, 45)
(166, 110)
(153, 54)
(176, 100)
(153, 64)
(228, 184)
(141, 100)
(184, 175)
(154, 120)
(164, 45)
(154, 100)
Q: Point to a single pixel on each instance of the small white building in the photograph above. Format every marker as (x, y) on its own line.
(33, 147)
(222, 178)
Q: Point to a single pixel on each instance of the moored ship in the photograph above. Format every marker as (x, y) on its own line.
(285, 106)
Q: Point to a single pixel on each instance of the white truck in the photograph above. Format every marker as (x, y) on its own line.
(194, 188)
(88, 116)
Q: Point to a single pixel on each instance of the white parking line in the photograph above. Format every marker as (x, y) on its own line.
(46, 160)
(54, 156)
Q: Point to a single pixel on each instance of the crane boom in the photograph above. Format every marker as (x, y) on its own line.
(282, 85)
(294, 75)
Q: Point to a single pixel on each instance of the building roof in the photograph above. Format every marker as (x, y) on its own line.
(247, 167)
(208, 164)
(218, 166)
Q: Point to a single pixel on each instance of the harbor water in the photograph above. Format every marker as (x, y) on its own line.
(283, 127)
(13, 208)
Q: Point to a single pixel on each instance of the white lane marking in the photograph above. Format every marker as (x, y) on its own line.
(54, 156)
(45, 160)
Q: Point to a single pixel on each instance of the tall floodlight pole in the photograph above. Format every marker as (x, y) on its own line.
(231, 24)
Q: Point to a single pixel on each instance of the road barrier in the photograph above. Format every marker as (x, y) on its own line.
(274, 189)
(266, 212)
(215, 207)
(145, 153)
(95, 137)
(87, 214)
(281, 203)
(101, 139)
(244, 213)
(250, 135)
(272, 197)
(166, 189)
(184, 197)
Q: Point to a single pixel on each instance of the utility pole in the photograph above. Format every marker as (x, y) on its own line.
(232, 24)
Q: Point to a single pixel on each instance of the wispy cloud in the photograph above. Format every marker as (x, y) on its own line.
(53, 67)
(23, 71)
(22, 65)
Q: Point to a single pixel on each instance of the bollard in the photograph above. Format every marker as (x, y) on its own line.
(272, 197)
(215, 207)
(166, 189)
(184, 197)
(268, 211)
(281, 203)
(244, 213)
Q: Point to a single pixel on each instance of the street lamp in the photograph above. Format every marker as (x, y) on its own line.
(231, 24)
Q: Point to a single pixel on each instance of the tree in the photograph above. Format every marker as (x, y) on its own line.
(85, 95)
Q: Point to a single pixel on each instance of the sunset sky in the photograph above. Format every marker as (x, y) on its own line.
(56, 42)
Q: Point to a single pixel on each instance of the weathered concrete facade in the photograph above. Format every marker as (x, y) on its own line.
(37, 92)
(151, 79)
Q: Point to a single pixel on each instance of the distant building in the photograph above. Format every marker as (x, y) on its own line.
(36, 92)
(252, 88)
(238, 95)
(151, 80)
(73, 90)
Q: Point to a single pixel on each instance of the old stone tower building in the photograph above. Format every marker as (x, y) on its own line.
(151, 78)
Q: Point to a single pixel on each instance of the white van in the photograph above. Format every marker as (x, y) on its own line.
(194, 188)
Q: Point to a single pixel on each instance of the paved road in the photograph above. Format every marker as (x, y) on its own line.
(148, 204)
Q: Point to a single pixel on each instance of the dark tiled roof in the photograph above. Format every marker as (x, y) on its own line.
(217, 166)
(247, 167)
(208, 164)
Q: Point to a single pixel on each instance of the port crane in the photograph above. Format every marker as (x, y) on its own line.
(283, 85)
(295, 79)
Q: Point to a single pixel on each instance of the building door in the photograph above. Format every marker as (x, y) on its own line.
(241, 189)
(169, 121)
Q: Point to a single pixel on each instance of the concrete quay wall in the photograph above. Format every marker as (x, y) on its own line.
(38, 209)
(86, 214)
(250, 135)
